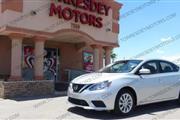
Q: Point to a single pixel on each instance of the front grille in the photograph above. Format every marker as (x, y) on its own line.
(78, 101)
(77, 87)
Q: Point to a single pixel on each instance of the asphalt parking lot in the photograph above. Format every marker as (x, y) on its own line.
(58, 108)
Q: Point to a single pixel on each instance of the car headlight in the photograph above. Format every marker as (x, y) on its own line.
(100, 86)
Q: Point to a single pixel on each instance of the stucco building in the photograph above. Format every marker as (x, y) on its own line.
(40, 40)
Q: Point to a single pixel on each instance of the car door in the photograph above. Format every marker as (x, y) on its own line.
(148, 86)
(169, 80)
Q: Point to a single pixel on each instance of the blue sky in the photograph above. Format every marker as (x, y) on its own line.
(146, 16)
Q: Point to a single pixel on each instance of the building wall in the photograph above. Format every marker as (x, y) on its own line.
(43, 22)
(31, 18)
(70, 57)
(5, 56)
(0, 6)
(11, 4)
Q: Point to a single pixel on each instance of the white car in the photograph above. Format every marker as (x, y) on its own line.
(125, 84)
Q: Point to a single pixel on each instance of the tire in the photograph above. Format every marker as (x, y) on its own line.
(122, 106)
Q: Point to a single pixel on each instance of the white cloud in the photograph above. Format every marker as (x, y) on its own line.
(174, 58)
(166, 39)
(160, 51)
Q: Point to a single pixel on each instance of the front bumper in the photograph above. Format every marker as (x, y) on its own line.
(96, 100)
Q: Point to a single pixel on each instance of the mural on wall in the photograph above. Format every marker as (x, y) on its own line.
(50, 63)
(28, 62)
(88, 61)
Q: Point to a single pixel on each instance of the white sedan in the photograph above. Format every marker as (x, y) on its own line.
(125, 84)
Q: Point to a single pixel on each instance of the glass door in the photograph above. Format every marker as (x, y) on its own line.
(51, 64)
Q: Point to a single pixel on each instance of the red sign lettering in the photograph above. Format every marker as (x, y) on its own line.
(68, 13)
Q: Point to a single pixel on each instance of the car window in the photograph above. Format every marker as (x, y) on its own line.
(123, 66)
(152, 66)
(168, 67)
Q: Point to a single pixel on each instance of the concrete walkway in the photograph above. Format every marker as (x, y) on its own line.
(57, 108)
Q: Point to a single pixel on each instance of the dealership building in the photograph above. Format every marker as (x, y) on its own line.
(44, 42)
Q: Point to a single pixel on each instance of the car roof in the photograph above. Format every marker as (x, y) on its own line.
(145, 60)
(158, 59)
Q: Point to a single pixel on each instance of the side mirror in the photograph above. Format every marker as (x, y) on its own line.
(144, 71)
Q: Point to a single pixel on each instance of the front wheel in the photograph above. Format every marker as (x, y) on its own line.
(125, 102)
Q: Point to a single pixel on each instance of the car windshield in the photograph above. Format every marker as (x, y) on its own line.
(123, 66)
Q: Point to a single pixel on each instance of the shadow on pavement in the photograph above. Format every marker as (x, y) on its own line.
(56, 94)
(141, 110)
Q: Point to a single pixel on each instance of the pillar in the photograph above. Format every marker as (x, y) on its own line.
(108, 55)
(39, 57)
(16, 56)
(98, 57)
(101, 55)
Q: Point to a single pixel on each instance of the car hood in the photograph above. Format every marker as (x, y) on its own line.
(92, 78)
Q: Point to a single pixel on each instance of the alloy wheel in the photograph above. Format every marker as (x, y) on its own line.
(125, 103)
